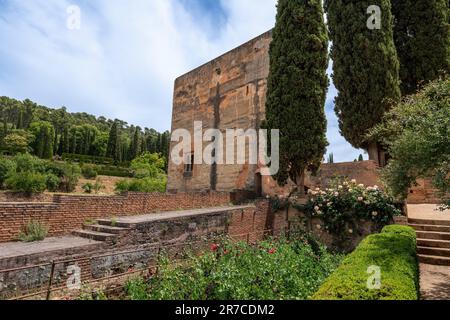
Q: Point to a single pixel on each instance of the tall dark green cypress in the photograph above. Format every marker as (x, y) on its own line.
(365, 68)
(422, 38)
(112, 149)
(297, 87)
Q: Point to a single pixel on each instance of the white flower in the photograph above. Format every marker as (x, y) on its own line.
(360, 199)
(350, 231)
(361, 185)
(340, 187)
(317, 189)
(316, 208)
(310, 191)
(345, 183)
(319, 227)
(329, 204)
(376, 187)
(374, 214)
(336, 194)
(353, 180)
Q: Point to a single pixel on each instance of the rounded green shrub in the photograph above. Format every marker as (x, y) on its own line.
(27, 182)
(89, 171)
(7, 167)
(52, 182)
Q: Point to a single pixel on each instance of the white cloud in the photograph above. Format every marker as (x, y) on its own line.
(123, 61)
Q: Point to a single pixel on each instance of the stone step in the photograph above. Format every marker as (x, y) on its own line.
(104, 228)
(433, 235)
(433, 243)
(429, 222)
(94, 235)
(426, 227)
(434, 260)
(430, 251)
(116, 224)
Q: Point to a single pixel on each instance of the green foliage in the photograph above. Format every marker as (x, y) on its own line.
(89, 294)
(88, 187)
(45, 131)
(113, 171)
(89, 171)
(44, 134)
(342, 207)
(70, 157)
(271, 270)
(417, 135)
(52, 182)
(15, 143)
(70, 177)
(422, 38)
(33, 231)
(297, 86)
(365, 66)
(28, 163)
(394, 251)
(6, 168)
(147, 185)
(148, 165)
(331, 158)
(27, 182)
(137, 289)
(112, 149)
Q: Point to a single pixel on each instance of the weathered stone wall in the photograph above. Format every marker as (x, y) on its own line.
(67, 213)
(226, 93)
(137, 249)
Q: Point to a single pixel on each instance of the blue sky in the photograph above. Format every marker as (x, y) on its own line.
(123, 60)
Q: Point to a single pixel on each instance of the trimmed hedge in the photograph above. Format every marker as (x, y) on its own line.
(71, 157)
(394, 251)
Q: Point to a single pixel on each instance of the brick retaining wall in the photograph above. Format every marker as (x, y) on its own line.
(67, 213)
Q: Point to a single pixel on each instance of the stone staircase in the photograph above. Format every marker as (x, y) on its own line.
(105, 230)
(433, 241)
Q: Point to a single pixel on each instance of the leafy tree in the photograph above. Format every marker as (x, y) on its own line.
(417, 134)
(422, 38)
(360, 158)
(365, 68)
(148, 165)
(297, 87)
(15, 143)
(44, 138)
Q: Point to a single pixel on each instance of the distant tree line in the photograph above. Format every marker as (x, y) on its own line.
(45, 132)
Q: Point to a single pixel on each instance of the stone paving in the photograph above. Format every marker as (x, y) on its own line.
(14, 249)
(427, 211)
(434, 280)
(176, 214)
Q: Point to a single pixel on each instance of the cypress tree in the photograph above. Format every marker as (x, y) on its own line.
(422, 38)
(365, 68)
(112, 149)
(135, 143)
(297, 87)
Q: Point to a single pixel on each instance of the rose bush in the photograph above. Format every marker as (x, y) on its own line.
(344, 205)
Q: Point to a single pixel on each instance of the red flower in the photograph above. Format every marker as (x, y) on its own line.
(226, 251)
(214, 247)
(130, 270)
(272, 251)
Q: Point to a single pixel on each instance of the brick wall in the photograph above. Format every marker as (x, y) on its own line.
(67, 213)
